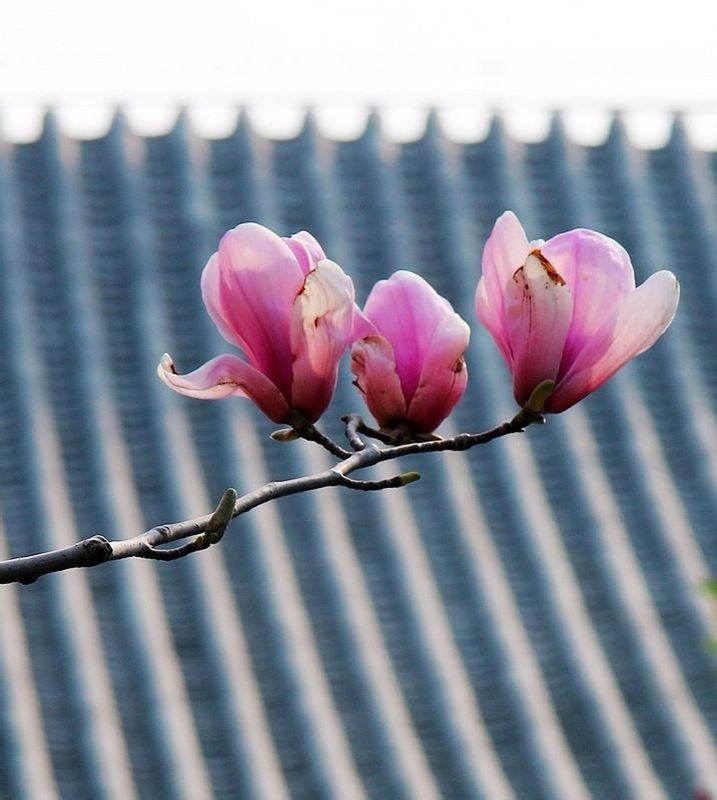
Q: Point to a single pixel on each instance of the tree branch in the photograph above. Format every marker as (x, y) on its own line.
(203, 532)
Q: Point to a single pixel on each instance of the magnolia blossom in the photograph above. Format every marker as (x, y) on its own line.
(566, 311)
(409, 364)
(289, 309)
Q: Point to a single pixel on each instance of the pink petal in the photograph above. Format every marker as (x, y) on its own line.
(493, 317)
(443, 378)
(321, 326)
(225, 376)
(538, 310)
(249, 287)
(599, 274)
(406, 310)
(505, 251)
(307, 251)
(639, 321)
(362, 326)
(373, 364)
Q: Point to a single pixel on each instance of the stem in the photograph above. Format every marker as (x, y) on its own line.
(206, 531)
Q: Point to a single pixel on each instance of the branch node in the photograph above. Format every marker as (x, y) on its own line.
(163, 531)
(463, 441)
(98, 549)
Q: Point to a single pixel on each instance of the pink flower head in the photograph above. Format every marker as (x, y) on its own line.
(567, 310)
(409, 364)
(288, 308)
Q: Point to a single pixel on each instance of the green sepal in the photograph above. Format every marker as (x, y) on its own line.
(539, 396)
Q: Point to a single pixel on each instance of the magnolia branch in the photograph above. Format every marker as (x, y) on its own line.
(203, 532)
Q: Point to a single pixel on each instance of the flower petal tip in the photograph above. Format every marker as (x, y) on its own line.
(166, 365)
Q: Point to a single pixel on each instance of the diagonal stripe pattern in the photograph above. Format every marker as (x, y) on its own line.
(526, 622)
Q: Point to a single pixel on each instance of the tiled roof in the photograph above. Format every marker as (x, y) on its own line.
(524, 622)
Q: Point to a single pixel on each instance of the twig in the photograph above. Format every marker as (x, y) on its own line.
(395, 482)
(312, 434)
(353, 423)
(356, 425)
(209, 529)
(302, 428)
(401, 434)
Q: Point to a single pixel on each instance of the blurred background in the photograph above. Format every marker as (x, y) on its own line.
(527, 621)
(280, 57)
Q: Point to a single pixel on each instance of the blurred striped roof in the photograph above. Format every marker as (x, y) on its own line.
(524, 622)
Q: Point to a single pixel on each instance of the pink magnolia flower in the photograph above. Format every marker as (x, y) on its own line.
(289, 309)
(409, 364)
(567, 310)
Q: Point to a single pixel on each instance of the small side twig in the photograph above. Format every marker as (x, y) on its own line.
(394, 482)
(353, 423)
(359, 426)
(305, 430)
(401, 434)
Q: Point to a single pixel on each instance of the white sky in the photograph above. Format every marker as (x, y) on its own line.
(449, 53)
